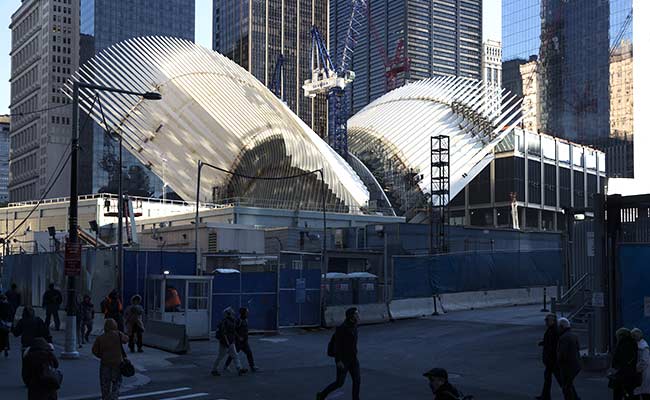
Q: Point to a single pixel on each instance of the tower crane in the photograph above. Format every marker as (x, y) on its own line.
(331, 77)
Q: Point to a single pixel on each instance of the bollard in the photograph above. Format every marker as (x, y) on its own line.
(544, 309)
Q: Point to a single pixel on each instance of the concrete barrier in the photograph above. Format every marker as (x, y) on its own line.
(411, 308)
(373, 313)
(166, 336)
(494, 298)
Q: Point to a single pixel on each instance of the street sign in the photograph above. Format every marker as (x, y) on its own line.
(72, 260)
(598, 299)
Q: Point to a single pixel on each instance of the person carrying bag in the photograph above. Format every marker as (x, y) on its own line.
(114, 365)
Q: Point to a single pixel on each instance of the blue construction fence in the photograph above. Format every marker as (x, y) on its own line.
(425, 276)
(633, 309)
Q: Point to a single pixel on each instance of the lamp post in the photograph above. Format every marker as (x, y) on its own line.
(202, 164)
(72, 260)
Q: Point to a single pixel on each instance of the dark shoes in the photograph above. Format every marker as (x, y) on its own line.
(255, 369)
(140, 350)
(215, 373)
(242, 371)
(319, 396)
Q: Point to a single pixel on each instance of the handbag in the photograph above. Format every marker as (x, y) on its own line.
(51, 378)
(127, 369)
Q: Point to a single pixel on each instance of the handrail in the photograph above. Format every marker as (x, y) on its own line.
(570, 293)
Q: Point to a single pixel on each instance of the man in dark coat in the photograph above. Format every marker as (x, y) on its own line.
(39, 357)
(14, 298)
(241, 339)
(549, 355)
(440, 386)
(226, 333)
(52, 300)
(568, 359)
(345, 354)
(624, 361)
(31, 327)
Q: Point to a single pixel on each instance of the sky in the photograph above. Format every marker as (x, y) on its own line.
(491, 30)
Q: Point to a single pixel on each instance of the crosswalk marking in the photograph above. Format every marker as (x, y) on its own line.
(134, 396)
(187, 396)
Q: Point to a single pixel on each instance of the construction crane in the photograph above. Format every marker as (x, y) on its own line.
(331, 78)
(275, 85)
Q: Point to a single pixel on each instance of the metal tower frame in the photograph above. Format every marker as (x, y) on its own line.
(439, 200)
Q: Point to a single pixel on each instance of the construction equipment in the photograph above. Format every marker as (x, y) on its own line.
(332, 77)
(275, 85)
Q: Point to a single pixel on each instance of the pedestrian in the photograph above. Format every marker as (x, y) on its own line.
(14, 297)
(343, 347)
(241, 340)
(440, 386)
(31, 327)
(624, 378)
(112, 309)
(87, 315)
(642, 392)
(6, 322)
(108, 348)
(134, 325)
(226, 336)
(568, 359)
(549, 355)
(52, 300)
(40, 371)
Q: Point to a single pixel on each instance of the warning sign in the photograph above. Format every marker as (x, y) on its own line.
(72, 260)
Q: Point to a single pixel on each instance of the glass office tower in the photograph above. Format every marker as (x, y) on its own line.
(439, 37)
(253, 33)
(572, 62)
(106, 22)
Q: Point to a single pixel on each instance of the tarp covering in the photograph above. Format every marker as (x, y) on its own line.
(425, 276)
(634, 286)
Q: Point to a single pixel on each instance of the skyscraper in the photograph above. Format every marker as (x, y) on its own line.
(103, 23)
(44, 51)
(582, 53)
(255, 33)
(415, 39)
(4, 158)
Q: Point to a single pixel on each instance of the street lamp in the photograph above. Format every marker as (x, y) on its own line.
(72, 259)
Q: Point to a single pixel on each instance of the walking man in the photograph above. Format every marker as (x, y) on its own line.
(568, 359)
(14, 298)
(134, 324)
(112, 308)
(87, 311)
(549, 355)
(241, 341)
(52, 300)
(343, 347)
(226, 336)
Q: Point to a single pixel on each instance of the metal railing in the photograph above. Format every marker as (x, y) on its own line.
(300, 205)
(108, 196)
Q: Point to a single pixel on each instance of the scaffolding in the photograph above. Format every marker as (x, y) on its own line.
(439, 199)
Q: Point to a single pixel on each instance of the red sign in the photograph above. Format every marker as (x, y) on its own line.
(72, 260)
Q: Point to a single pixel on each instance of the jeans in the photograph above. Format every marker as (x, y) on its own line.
(226, 351)
(549, 372)
(354, 370)
(86, 330)
(246, 349)
(136, 334)
(110, 380)
(51, 312)
(568, 390)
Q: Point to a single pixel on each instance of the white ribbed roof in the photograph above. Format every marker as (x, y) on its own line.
(403, 121)
(212, 110)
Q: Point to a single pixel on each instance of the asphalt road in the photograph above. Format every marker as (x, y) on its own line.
(490, 354)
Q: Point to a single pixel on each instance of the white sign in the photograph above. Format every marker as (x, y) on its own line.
(598, 299)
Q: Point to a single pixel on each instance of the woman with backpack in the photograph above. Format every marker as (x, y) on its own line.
(40, 372)
(108, 348)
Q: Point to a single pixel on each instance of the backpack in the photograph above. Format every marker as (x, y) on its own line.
(331, 346)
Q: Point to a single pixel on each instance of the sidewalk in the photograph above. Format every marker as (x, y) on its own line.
(80, 376)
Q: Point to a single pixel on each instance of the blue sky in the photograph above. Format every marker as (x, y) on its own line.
(491, 26)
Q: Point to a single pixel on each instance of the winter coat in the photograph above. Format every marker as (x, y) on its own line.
(6, 311)
(108, 348)
(447, 392)
(86, 311)
(643, 366)
(39, 357)
(133, 318)
(227, 330)
(624, 361)
(52, 299)
(242, 330)
(30, 328)
(345, 338)
(568, 356)
(14, 298)
(549, 350)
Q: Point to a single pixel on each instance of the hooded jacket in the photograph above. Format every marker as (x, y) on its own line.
(108, 347)
(227, 328)
(30, 328)
(39, 356)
